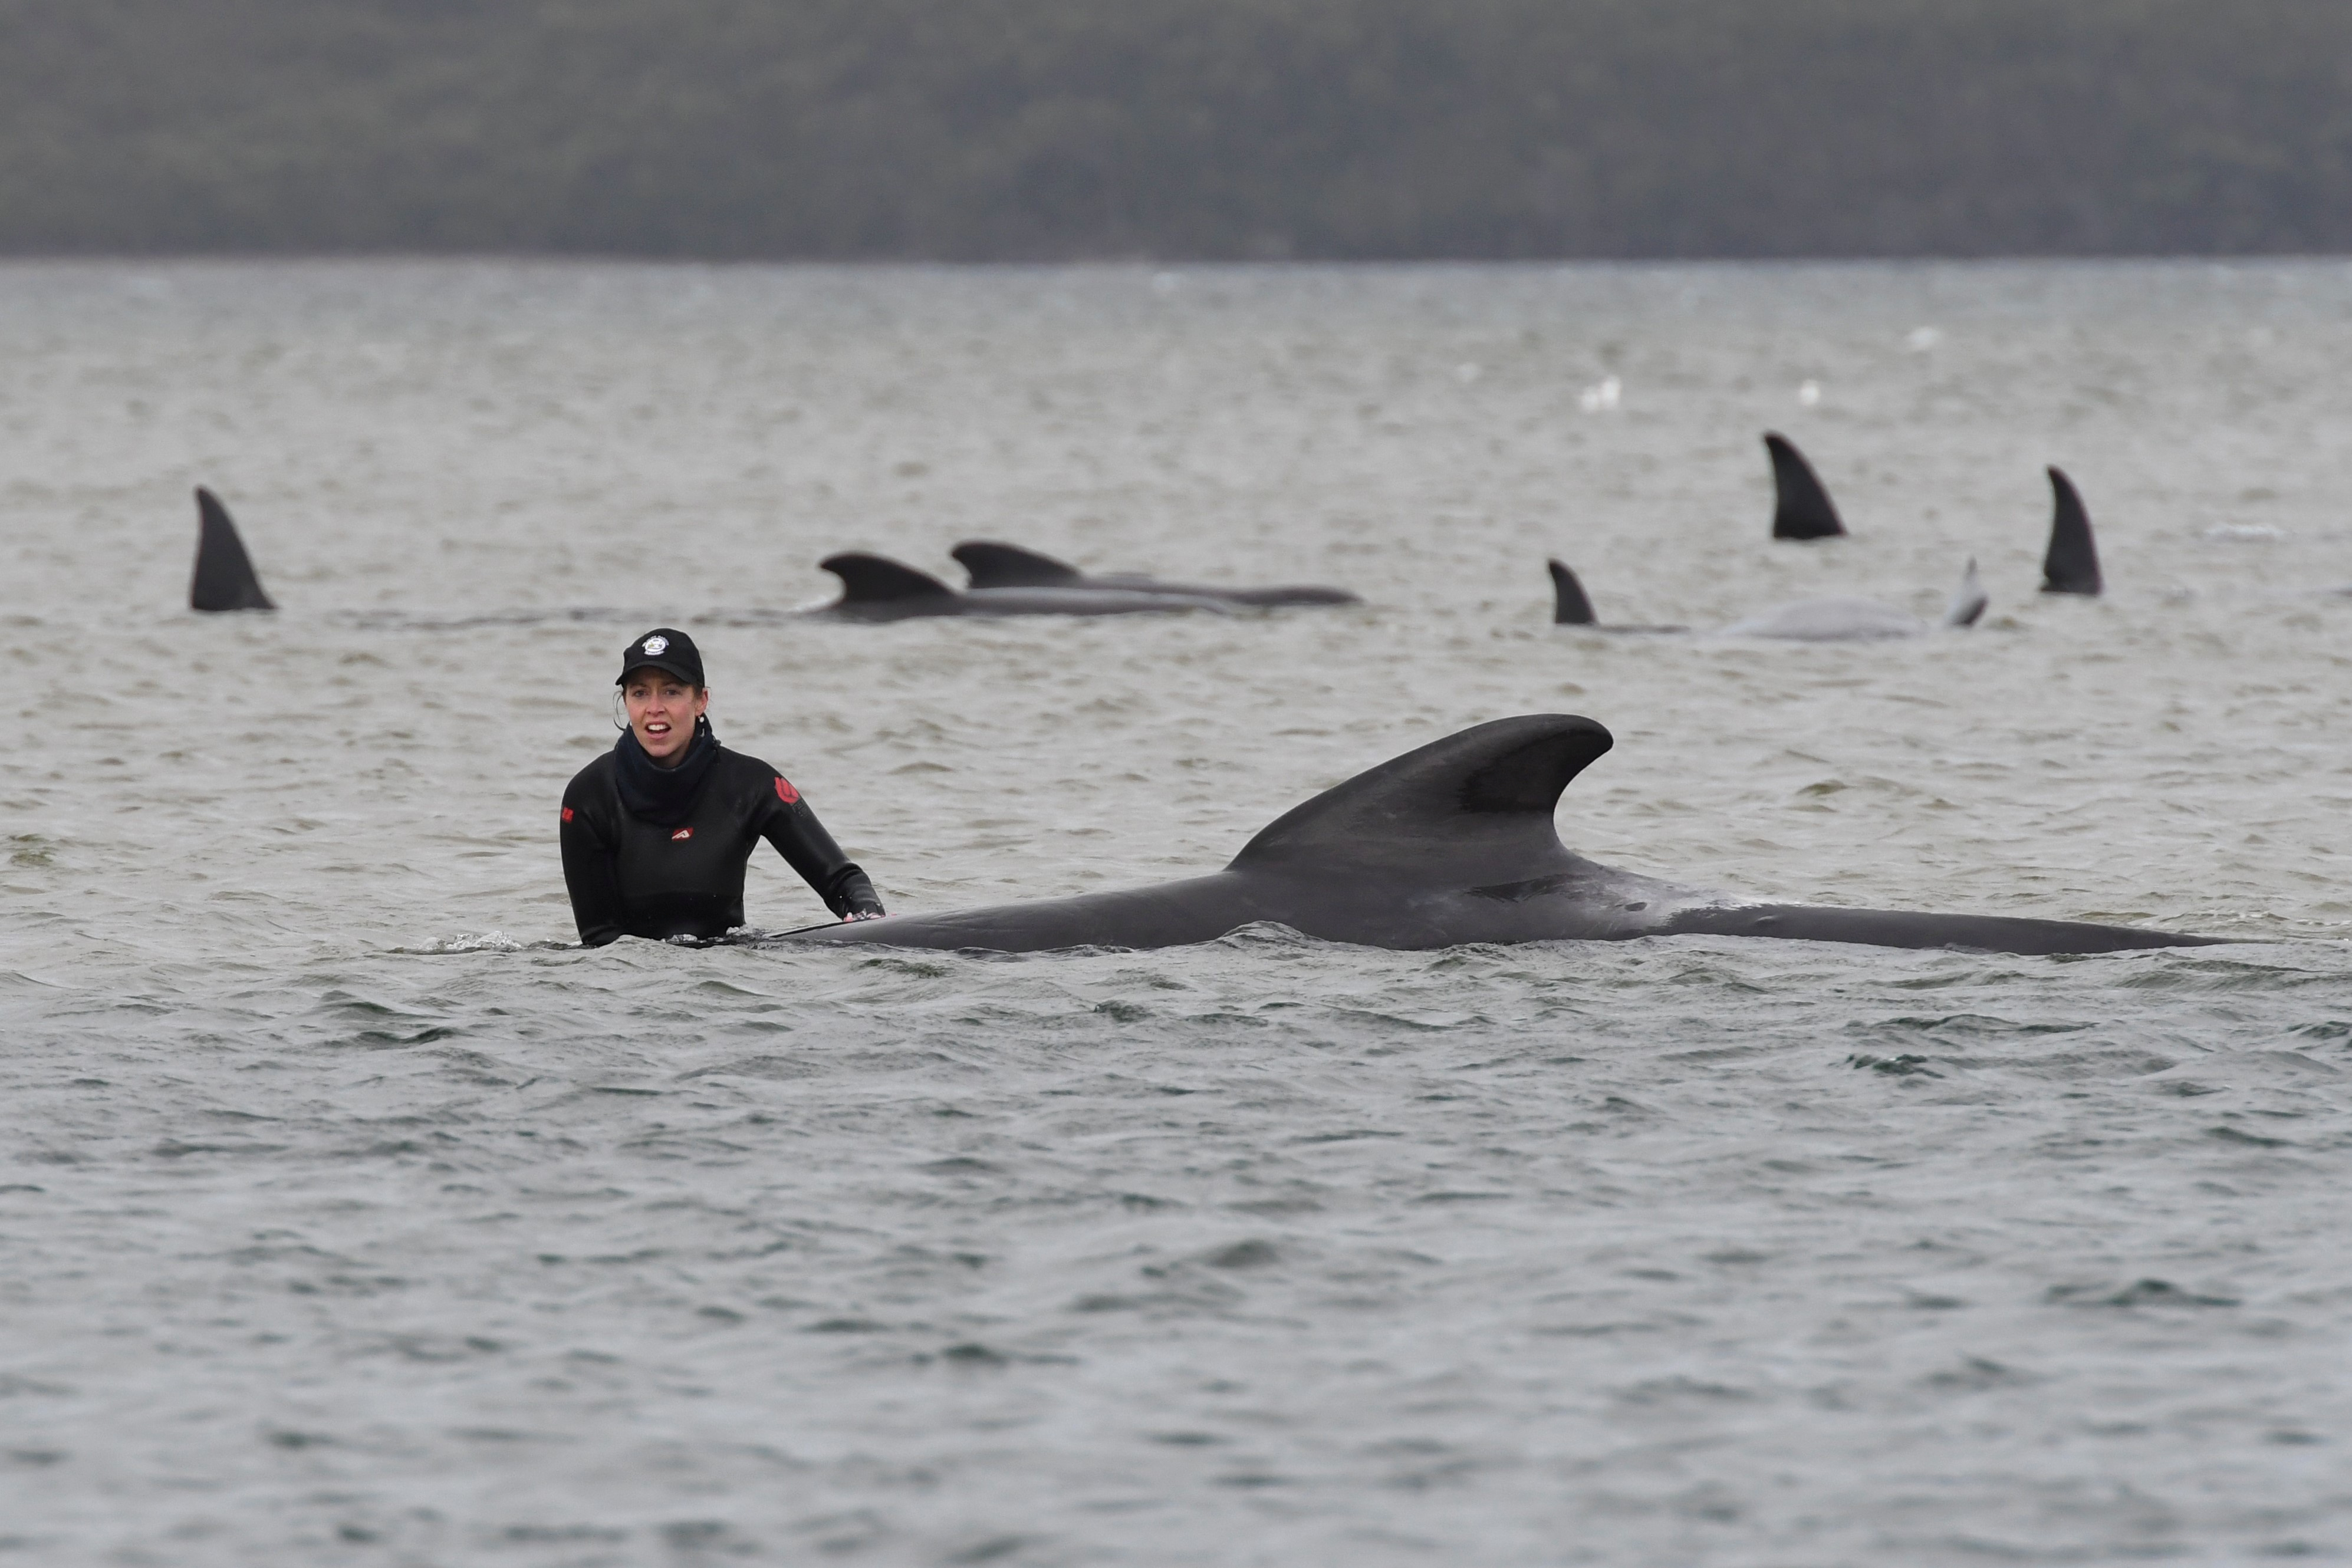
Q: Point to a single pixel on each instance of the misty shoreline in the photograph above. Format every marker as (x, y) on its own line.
(1191, 131)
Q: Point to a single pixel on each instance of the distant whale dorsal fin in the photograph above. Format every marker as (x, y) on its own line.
(224, 577)
(1800, 508)
(877, 580)
(2072, 564)
(1967, 605)
(993, 565)
(1472, 808)
(1569, 607)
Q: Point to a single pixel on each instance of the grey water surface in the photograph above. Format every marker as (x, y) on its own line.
(348, 1216)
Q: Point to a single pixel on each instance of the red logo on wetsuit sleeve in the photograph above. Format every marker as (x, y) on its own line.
(681, 835)
(785, 793)
(567, 813)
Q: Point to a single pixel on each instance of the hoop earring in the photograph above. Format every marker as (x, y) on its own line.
(620, 714)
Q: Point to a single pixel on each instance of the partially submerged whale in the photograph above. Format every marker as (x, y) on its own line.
(1570, 606)
(1800, 506)
(1453, 843)
(1840, 620)
(876, 588)
(1806, 621)
(2070, 565)
(993, 565)
(224, 578)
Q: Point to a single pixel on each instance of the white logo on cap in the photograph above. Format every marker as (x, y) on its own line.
(655, 645)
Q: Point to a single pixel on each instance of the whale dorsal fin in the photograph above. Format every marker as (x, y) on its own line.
(879, 580)
(1800, 508)
(993, 565)
(1470, 809)
(1569, 607)
(1969, 600)
(224, 578)
(2072, 564)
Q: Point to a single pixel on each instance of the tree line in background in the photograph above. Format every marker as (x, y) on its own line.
(1198, 128)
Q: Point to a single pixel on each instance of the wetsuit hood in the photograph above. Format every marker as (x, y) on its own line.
(658, 794)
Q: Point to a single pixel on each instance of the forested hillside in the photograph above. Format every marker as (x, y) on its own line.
(1053, 129)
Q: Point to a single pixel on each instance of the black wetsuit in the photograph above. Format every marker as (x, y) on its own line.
(651, 852)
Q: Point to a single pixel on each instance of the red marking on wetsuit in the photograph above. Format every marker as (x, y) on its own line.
(681, 833)
(567, 813)
(785, 793)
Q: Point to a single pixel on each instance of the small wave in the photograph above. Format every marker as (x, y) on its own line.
(1260, 935)
(2139, 1294)
(485, 942)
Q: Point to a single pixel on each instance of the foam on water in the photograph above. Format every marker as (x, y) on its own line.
(348, 1216)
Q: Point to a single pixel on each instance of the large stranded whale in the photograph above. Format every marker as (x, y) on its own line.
(1453, 843)
(224, 578)
(876, 588)
(992, 566)
(1835, 619)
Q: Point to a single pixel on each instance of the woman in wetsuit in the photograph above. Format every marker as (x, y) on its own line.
(656, 832)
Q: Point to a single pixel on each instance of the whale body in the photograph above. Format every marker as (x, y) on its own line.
(1861, 620)
(992, 565)
(876, 588)
(224, 578)
(1830, 620)
(1800, 506)
(1452, 843)
(2070, 565)
(1570, 606)
(1806, 621)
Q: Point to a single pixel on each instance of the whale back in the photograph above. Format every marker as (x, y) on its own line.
(994, 564)
(1475, 807)
(2072, 563)
(1569, 607)
(877, 580)
(224, 578)
(1828, 620)
(1261, 597)
(1800, 506)
(1452, 843)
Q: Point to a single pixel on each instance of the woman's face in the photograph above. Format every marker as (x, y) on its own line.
(662, 711)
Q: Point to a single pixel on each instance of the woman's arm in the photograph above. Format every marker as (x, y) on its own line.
(588, 876)
(789, 824)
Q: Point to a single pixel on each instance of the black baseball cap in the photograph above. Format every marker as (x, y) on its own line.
(664, 648)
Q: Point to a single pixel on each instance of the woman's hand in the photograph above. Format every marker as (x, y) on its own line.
(863, 914)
